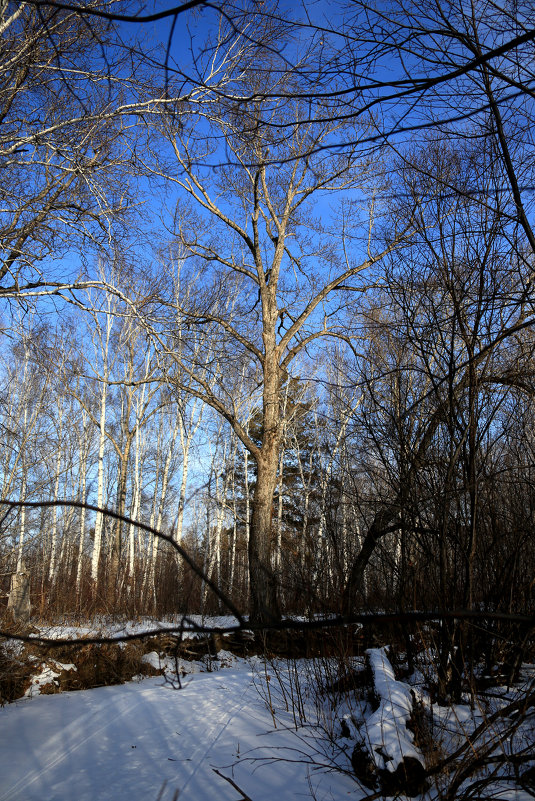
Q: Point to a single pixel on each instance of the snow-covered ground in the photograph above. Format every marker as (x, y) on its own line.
(144, 741)
(237, 729)
(116, 628)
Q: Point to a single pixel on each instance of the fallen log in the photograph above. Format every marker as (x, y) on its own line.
(398, 763)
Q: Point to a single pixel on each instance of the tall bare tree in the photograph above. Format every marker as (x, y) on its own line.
(271, 274)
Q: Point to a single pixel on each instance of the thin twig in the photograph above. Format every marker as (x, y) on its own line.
(244, 796)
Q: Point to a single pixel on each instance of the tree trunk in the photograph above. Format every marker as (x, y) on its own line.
(134, 511)
(117, 537)
(99, 520)
(80, 557)
(54, 527)
(264, 605)
(263, 584)
(151, 573)
(247, 515)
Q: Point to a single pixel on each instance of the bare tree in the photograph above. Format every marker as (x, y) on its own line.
(271, 275)
(64, 154)
(440, 360)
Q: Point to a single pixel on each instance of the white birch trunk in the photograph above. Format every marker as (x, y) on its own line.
(232, 564)
(54, 527)
(63, 558)
(213, 562)
(134, 511)
(247, 516)
(22, 524)
(85, 444)
(156, 522)
(136, 494)
(99, 520)
(83, 514)
(327, 474)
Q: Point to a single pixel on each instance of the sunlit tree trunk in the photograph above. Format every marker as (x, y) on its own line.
(99, 520)
(85, 445)
(54, 527)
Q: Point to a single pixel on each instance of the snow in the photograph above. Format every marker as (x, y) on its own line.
(145, 740)
(152, 659)
(390, 741)
(233, 720)
(113, 628)
(47, 673)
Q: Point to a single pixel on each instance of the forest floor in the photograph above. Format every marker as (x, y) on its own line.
(231, 728)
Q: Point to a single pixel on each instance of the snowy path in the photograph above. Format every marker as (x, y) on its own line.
(125, 743)
(117, 742)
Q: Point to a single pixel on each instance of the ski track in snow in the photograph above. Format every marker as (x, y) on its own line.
(17, 791)
(113, 749)
(145, 741)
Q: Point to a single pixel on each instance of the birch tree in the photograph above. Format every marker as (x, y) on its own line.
(24, 414)
(96, 369)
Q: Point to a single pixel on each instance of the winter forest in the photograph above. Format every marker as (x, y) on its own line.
(267, 323)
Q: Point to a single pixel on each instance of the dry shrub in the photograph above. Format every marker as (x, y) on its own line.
(95, 665)
(421, 726)
(103, 665)
(15, 667)
(15, 677)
